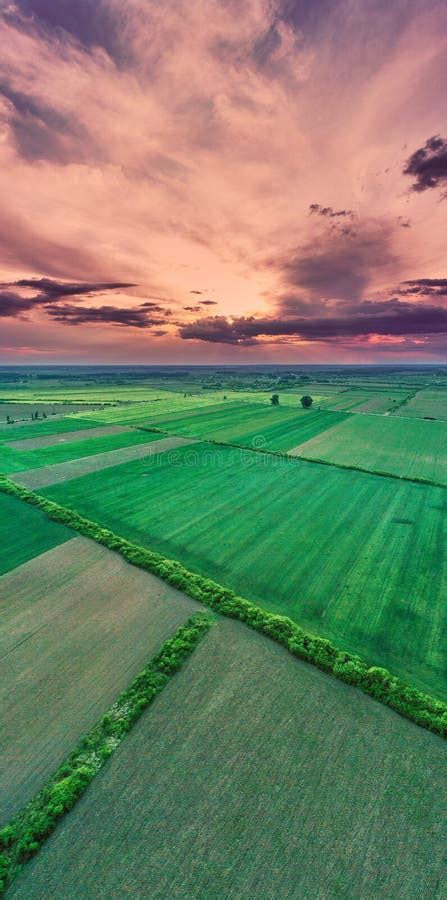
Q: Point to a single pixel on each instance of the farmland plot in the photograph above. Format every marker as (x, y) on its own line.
(354, 557)
(428, 402)
(413, 448)
(58, 472)
(250, 424)
(63, 450)
(255, 776)
(78, 624)
(26, 532)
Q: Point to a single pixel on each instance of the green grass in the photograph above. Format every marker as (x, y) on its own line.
(413, 448)
(365, 401)
(77, 625)
(25, 533)
(12, 460)
(22, 837)
(255, 776)
(249, 424)
(43, 427)
(350, 556)
(426, 403)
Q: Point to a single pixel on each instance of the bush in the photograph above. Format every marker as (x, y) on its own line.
(26, 832)
(373, 680)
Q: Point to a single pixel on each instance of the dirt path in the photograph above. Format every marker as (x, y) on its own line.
(37, 478)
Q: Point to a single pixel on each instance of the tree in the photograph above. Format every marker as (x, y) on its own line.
(274, 400)
(306, 401)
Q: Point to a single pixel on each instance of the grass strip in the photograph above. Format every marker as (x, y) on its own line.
(415, 479)
(378, 682)
(23, 836)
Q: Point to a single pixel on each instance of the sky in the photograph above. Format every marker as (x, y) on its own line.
(223, 181)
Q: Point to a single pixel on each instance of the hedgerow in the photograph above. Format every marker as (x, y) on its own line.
(28, 830)
(389, 689)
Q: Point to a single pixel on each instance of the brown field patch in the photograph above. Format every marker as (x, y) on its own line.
(78, 625)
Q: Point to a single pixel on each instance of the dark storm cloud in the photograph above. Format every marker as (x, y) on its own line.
(12, 305)
(127, 317)
(208, 302)
(93, 23)
(196, 292)
(431, 287)
(428, 165)
(392, 317)
(51, 289)
(41, 132)
(50, 295)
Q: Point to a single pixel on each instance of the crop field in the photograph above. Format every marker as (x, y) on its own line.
(67, 649)
(413, 448)
(426, 403)
(26, 532)
(249, 424)
(365, 401)
(351, 556)
(23, 430)
(74, 468)
(24, 411)
(13, 459)
(36, 443)
(254, 775)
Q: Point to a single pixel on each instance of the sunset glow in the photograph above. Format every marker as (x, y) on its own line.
(223, 181)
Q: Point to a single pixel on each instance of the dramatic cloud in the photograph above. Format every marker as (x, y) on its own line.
(376, 318)
(130, 318)
(428, 165)
(340, 264)
(254, 146)
(434, 287)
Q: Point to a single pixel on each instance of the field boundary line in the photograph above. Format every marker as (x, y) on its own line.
(376, 681)
(283, 454)
(27, 831)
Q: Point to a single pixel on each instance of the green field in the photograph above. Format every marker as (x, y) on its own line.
(413, 448)
(249, 424)
(354, 557)
(432, 403)
(43, 427)
(365, 401)
(26, 532)
(12, 460)
(253, 775)
(68, 646)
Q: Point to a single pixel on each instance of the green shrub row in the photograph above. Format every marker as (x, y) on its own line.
(310, 459)
(415, 705)
(28, 830)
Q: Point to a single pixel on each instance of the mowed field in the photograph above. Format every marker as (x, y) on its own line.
(427, 402)
(249, 424)
(25, 532)
(74, 468)
(255, 776)
(78, 623)
(351, 556)
(17, 459)
(413, 448)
